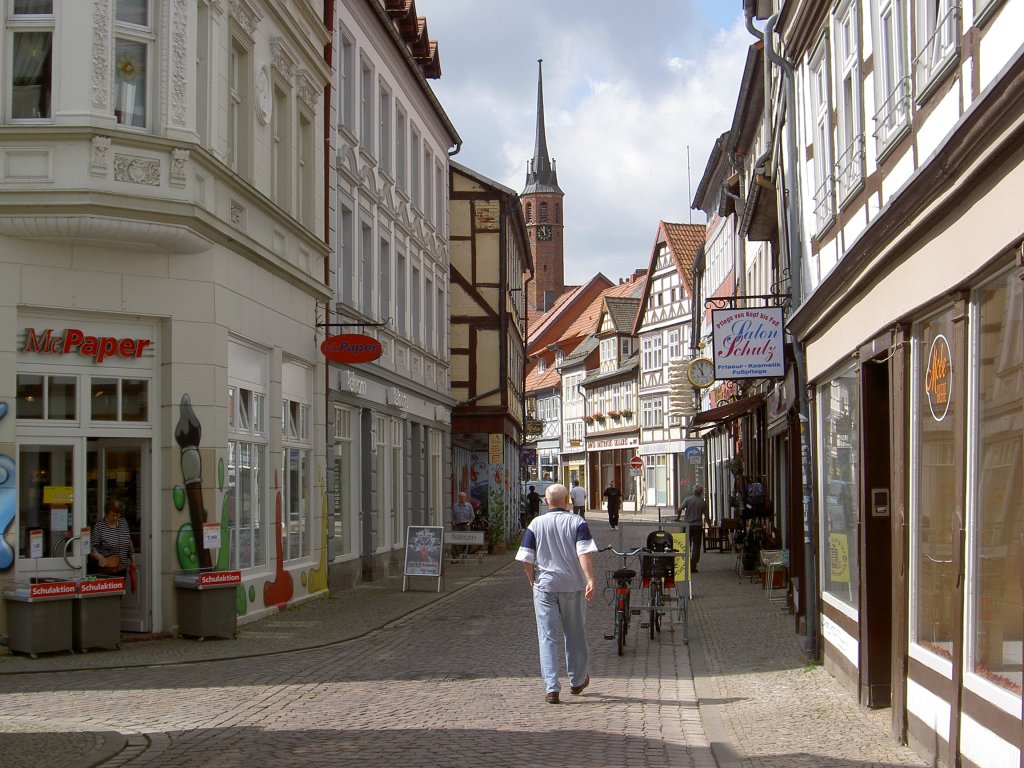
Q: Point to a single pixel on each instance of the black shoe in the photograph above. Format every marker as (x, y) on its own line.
(576, 690)
(552, 697)
(694, 570)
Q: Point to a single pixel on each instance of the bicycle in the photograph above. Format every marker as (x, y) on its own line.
(623, 578)
(658, 574)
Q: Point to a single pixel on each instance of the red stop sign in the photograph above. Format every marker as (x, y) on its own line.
(636, 463)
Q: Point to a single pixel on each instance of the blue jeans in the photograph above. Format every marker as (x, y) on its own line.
(569, 608)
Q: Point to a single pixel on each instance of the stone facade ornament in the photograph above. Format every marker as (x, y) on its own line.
(99, 162)
(179, 63)
(246, 14)
(179, 161)
(101, 20)
(137, 170)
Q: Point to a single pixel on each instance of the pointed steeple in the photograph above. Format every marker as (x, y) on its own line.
(541, 175)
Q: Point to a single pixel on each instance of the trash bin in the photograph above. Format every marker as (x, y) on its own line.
(39, 616)
(96, 616)
(206, 604)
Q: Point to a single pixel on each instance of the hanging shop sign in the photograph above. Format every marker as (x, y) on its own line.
(76, 341)
(748, 342)
(351, 348)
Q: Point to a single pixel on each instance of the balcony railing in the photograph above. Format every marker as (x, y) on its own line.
(850, 169)
(938, 51)
(894, 115)
(824, 205)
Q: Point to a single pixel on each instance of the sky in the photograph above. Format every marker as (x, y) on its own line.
(635, 94)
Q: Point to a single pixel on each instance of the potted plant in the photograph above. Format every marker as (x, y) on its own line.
(615, 414)
(598, 416)
(626, 413)
(588, 419)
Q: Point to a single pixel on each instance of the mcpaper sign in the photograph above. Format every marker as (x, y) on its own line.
(351, 348)
(748, 343)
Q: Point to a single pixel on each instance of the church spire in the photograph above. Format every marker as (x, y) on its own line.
(541, 175)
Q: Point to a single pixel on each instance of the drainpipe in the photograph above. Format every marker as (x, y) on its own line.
(796, 268)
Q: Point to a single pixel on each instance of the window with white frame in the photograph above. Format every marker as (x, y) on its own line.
(133, 43)
(415, 158)
(428, 182)
(428, 314)
(625, 347)
(281, 145)
(248, 511)
(718, 257)
(938, 41)
(401, 148)
(892, 57)
(297, 447)
(821, 115)
(384, 280)
(401, 280)
(652, 412)
(675, 347)
(416, 306)
(384, 140)
(240, 107)
(441, 312)
(346, 276)
(439, 209)
(305, 170)
(627, 397)
(366, 267)
(651, 356)
(609, 360)
(395, 497)
(347, 81)
(366, 122)
(345, 490)
(30, 29)
(849, 98)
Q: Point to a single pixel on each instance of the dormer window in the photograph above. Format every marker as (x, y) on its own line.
(542, 365)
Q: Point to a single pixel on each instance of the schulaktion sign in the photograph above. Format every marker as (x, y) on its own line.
(748, 343)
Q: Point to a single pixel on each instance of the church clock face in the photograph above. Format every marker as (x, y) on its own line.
(543, 232)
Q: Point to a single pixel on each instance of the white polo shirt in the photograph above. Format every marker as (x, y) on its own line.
(553, 542)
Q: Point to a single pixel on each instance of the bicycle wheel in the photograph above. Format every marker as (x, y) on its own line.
(620, 631)
(655, 597)
(659, 608)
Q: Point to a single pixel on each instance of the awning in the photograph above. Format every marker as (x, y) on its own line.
(728, 412)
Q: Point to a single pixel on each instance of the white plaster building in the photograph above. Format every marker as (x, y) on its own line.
(388, 420)
(162, 244)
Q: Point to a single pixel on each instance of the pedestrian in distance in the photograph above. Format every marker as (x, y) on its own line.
(462, 516)
(694, 512)
(532, 504)
(579, 499)
(614, 496)
(556, 556)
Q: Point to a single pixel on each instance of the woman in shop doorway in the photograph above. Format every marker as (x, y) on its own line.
(112, 550)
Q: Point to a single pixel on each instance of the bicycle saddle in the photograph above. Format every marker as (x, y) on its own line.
(624, 573)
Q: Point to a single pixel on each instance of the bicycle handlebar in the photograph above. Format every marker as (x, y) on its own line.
(620, 554)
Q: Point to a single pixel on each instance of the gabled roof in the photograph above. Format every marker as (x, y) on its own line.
(622, 312)
(684, 242)
(550, 327)
(580, 353)
(586, 321)
(626, 366)
(537, 380)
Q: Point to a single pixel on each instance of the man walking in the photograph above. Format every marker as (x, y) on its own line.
(579, 499)
(614, 496)
(694, 512)
(556, 556)
(462, 516)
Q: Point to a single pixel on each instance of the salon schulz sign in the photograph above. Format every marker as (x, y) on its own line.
(748, 343)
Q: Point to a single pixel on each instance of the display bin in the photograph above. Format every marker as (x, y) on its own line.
(96, 616)
(39, 616)
(206, 603)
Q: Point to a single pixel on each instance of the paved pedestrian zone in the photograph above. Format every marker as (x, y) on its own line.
(375, 676)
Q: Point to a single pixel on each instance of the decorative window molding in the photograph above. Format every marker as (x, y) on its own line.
(284, 62)
(246, 14)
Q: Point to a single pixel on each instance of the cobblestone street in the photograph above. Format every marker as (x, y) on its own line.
(454, 682)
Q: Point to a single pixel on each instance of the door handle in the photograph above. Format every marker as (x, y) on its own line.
(67, 544)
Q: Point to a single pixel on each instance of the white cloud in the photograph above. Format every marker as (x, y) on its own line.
(626, 91)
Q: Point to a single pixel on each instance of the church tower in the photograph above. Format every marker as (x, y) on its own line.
(542, 206)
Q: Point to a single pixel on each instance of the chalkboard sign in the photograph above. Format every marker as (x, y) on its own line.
(423, 548)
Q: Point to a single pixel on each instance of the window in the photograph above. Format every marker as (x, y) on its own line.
(240, 109)
(132, 43)
(651, 359)
(366, 268)
(384, 141)
(117, 399)
(379, 454)
(366, 107)
(248, 514)
(652, 412)
(529, 213)
(397, 505)
(441, 309)
(305, 170)
(995, 601)
(414, 157)
(893, 61)
(824, 205)
(934, 609)
(850, 140)
(203, 73)
(401, 177)
(281, 144)
(428, 314)
(608, 358)
(347, 258)
(401, 278)
(30, 31)
(345, 488)
(675, 349)
(384, 274)
(347, 82)
(839, 455)
(428, 182)
(47, 397)
(297, 444)
(415, 309)
(938, 40)
(543, 213)
(439, 197)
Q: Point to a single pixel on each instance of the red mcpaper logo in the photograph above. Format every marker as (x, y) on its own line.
(74, 340)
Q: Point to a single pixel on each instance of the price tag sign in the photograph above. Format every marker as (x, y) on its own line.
(211, 535)
(35, 543)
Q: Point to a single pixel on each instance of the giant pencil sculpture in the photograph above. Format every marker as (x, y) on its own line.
(187, 435)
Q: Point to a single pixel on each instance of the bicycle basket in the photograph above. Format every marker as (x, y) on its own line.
(610, 580)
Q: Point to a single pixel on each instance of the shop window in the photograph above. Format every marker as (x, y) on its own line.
(247, 479)
(43, 397)
(397, 502)
(934, 609)
(345, 504)
(297, 515)
(839, 456)
(45, 477)
(115, 399)
(995, 634)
